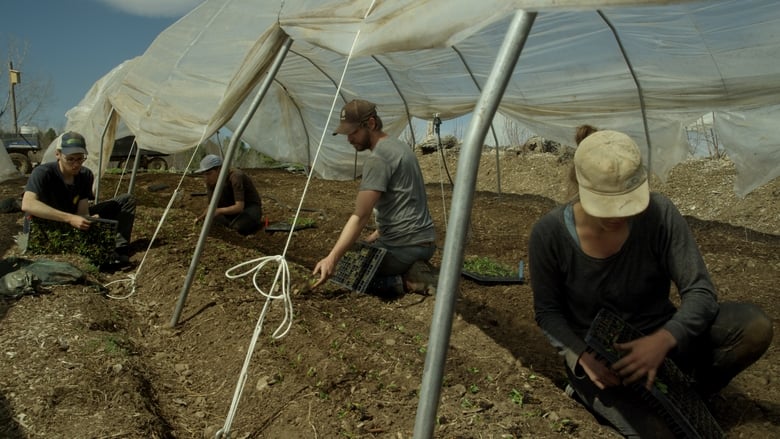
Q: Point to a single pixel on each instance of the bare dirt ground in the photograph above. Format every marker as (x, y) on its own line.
(76, 362)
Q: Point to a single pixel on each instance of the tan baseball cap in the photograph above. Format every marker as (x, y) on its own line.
(612, 181)
(353, 114)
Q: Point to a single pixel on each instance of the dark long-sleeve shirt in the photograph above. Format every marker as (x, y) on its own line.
(570, 287)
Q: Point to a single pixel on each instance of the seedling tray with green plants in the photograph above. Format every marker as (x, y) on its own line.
(97, 244)
(285, 226)
(486, 271)
(358, 266)
(672, 394)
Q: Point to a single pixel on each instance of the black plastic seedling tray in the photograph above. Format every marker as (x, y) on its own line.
(492, 280)
(285, 227)
(358, 266)
(672, 393)
(496, 280)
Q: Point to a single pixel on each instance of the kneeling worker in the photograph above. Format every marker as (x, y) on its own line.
(393, 186)
(61, 191)
(239, 207)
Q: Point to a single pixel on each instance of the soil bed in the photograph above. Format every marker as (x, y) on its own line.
(81, 362)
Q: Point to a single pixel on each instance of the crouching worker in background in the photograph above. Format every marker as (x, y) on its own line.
(61, 191)
(392, 186)
(617, 246)
(239, 207)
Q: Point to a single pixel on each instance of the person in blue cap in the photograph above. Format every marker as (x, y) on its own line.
(62, 191)
(240, 207)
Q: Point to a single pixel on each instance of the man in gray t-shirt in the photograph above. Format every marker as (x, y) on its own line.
(392, 186)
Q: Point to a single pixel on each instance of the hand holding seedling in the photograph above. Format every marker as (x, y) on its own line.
(325, 268)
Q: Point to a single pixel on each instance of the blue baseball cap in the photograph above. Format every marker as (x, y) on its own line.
(72, 143)
(208, 163)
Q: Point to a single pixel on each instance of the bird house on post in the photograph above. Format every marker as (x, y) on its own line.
(15, 76)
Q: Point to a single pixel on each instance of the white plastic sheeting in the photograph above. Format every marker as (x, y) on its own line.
(7, 168)
(613, 64)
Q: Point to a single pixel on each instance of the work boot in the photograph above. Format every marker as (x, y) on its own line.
(421, 278)
(386, 286)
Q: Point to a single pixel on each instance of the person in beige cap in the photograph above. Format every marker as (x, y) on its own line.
(392, 186)
(617, 246)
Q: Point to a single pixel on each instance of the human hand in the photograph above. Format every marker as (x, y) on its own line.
(325, 268)
(372, 237)
(644, 356)
(598, 371)
(79, 222)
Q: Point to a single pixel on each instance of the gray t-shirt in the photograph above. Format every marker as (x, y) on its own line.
(402, 214)
(570, 287)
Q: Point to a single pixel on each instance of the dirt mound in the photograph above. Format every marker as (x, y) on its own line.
(81, 361)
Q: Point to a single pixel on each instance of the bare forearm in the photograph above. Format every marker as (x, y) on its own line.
(233, 209)
(349, 234)
(40, 209)
(230, 210)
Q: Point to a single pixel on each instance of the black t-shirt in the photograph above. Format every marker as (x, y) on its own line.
(48, 183)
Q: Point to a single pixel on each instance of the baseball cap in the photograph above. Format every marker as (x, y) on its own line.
(72, 143)
(612, 181)
(209, 162)
(353, 114)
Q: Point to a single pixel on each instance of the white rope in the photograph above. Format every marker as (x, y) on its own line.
(282, 278)
(124, 168)
(131, 278)
(441, 185)
(224, 432)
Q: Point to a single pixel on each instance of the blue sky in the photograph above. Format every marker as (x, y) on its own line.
(70, 44)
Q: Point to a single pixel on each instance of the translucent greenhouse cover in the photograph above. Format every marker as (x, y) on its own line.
(7, 167)
(646, 68)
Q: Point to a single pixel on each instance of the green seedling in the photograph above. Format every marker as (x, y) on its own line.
(487, 267)
(51, 237)
(302, 222)
(517, 397)
(467, 404)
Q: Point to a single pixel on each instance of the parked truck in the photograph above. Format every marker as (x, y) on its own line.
(25, 151)
(150, 160)
(23, 148)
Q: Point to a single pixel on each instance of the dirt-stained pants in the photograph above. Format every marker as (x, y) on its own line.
(740, 334)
